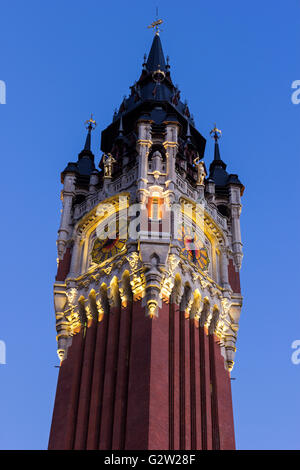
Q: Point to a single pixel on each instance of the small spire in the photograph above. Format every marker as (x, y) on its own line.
(90, 125)
(156, 58)
(216, 134)
(217, 169)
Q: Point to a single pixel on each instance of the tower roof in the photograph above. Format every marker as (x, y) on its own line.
(217, 169)
(86, 152)
(85, 163)
(155, 98)
(156, 58)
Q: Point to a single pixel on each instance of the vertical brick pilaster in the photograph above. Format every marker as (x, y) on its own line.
(176, 414)
(192, 384)
(171, 374)
(223, 399)
(111, 364)
(137, 423)
(207, 389)
(198, 423)
(187, 384)
(121, 396)
(85, 387)
(158, 438)
(97, 384)
(214, 396)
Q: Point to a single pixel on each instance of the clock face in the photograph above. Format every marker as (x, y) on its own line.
(193, 247)
(106, 248)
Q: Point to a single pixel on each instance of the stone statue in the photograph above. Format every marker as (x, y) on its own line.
(201, 171)
(108, 165)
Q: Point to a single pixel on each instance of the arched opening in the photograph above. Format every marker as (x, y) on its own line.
(223, 210)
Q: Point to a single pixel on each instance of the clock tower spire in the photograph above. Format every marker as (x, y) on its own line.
(147, 294)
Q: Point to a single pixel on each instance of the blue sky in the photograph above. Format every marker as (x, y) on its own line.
(234, 62)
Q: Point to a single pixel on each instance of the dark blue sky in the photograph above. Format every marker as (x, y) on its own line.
(234, 62)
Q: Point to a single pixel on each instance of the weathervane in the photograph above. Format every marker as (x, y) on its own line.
(216, 133)
(90, 123)
(156, 23)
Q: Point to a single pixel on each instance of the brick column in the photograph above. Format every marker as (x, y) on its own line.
(97, 384)
(85, 387)
(111, 364)
(121, 397)
(223, 399)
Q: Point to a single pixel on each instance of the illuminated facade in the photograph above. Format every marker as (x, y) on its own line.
(147, 294)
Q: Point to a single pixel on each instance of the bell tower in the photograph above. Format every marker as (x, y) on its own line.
(147, 293)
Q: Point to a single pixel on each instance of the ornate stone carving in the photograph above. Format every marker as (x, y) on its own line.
(173, 261)
(194, 307)
(152, 308)
(72, 295)
(168, 280)
(125, 291)
(133, 260)
(214, 321)
(177, 291)
(138, 286)
(166, 288)
(107, 270)
(226, 304)
(230, 348)
(205, 313)
(137, 278)
(186, 300)
(153, 278)
(114, 294)
(84, 283)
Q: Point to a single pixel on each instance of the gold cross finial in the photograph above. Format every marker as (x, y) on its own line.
(216, 133)
(90, 123)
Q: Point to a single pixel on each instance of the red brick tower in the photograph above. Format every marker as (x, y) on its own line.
(147, 295)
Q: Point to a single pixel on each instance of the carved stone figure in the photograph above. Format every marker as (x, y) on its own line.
(201, 173)
(108, 161)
